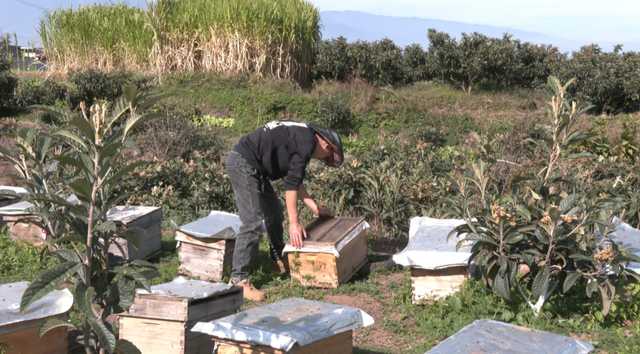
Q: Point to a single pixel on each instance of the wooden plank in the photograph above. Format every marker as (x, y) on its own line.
(341, 343)
(160, 308)
(214, 307)
(436, 284)
(204, 262)
(352, 257)
(154, 336)
(330, 231)
(314, 269)
(25, 341)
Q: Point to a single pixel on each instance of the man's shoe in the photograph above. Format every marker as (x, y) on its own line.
(280, 266)
(249, 291)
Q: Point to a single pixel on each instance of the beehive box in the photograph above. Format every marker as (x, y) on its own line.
(161, 321)
(20, 330)
(334, 250)
(289, 326)
(206, 245)
(437, 269)
(16, 216)
(147, 220)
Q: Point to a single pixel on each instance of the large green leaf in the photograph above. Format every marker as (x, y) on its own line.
(109, 150)
(67, 255)
(52, 110)
(83, 187)
(479, 237)
(133, 274)
(134, 122)
(501, 286)
(67, 160)
(72, 137)
(514, 238)
(122, 172)
(123, 346)
(570, 280)
(53, 323)
(592, 287)
(47, 282)
(105, 334)
(540, 282)
(84, 299)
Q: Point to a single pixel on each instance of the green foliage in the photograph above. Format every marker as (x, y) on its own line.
(79, 235)
(207, 120)
(92, 85)
(333, 111)
(20, 261)
(37, 91)
(560, 235)
(7, 81)
(610, 80)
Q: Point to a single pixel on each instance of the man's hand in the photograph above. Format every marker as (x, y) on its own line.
(296, 235)
(325, 213)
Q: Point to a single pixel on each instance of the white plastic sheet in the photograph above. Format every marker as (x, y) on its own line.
(55, 303)
(23, 208)
(629, 237)
(428, 247)
(334, 250)
(282, 324)
(181, 287)
(17, 190)
(218, 224)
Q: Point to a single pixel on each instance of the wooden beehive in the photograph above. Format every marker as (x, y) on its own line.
(162, 324)
(435, 284)
(203, 257)
(147, 220)
(20, 331)
(341, 343)
(24, 230)
(314, 266)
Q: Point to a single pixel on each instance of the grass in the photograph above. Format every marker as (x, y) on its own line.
(386, 295)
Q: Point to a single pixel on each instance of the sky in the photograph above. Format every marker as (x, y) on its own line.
(588, 20)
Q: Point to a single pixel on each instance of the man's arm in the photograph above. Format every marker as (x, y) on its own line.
(296, 232)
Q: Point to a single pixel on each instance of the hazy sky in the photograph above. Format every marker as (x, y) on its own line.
(592, 20)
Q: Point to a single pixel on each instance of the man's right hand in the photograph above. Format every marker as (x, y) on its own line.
(296, 235)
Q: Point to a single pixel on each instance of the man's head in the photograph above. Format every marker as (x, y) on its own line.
(330, 142)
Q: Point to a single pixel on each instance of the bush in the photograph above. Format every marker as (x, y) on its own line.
(92, 85)
(333, 111)
(7, 82)
(415, 62)
(332, 60)
(36, 91)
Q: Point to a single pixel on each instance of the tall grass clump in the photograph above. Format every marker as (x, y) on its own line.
(260, 37)
(98, 36)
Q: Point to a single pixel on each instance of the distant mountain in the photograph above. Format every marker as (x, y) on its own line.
(355, 25)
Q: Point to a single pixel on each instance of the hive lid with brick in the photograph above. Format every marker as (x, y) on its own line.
(428, 247)
(329, 235)
(182, 287)
(489, 336)
(218, 225)
(282, 324)
(55, 303)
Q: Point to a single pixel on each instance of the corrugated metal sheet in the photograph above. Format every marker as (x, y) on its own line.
(282, 324)
(489, 336)
(428, 247)
(55, 303)
(181, 287)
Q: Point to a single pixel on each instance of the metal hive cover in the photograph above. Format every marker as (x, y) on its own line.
(428, 247)
(489, 336)
(192, 289)
(329, 235)
(282, 324)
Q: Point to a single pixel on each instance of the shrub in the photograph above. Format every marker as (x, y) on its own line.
(36, 91)
(333, 111)
(92, 85)
(331, 60)
(7, 82)
(415, 63)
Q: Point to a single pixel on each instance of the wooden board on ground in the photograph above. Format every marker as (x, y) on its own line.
(23, 338)
(435, 284)
(341, 343)
(325, 270)
(162, 324)
(204, 257)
